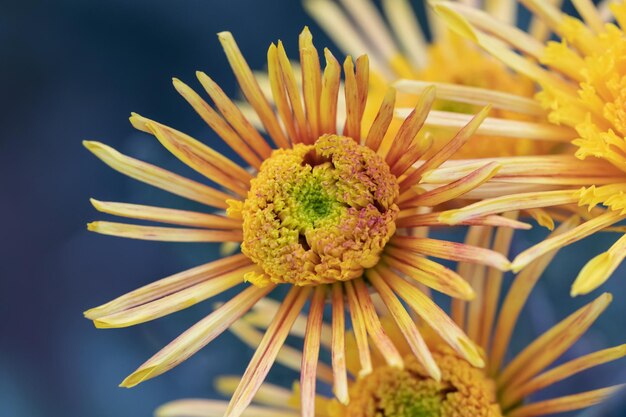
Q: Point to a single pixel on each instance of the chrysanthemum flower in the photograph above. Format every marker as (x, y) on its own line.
(580, 78)
(318, 214)
(397, 46)
(502, 388)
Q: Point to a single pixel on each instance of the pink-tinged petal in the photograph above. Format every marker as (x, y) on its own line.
(158, 177)
(197, 336)
(267, 351)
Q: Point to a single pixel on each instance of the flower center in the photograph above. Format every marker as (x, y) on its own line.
(409, 392)
(319, 213)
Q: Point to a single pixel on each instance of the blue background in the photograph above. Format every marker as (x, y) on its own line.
(74, 70)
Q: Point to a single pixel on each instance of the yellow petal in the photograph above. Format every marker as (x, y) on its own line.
(310, 352)
(267, 351)
(406, 324)
(381, 121)
(338, 351)
(251, 89)
(599, 269)
(158, 177)
(165, 215)
(169, 285)
(456, 188)
(331, 81)
(473, 95)
(514, 202)
(219, 125)
(429, 273)
(516, 297)
(173, 302)
(550, 345)
(447, 151)
(374, 327)
(452, 251)
(212, 408)
(566, 403)
(580, 232)
(353, 121)
(435, 317)
(164, 234)
(198, 156)
(562, 372)
(359, 329)
(197, 336)
(268, 394)
(311, 81)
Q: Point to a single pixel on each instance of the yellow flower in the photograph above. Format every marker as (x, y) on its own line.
(502, 388)
(580, 78)
(400, 53)
(320, 213)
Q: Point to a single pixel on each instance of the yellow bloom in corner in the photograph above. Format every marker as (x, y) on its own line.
(581, 79)
(400, 54)
(501, 389)
(320, 213)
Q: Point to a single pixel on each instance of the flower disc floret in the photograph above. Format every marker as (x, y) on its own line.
(410, 392)
(319, 213)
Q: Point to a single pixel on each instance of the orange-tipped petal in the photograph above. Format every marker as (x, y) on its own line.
(353, 122)
(293, 92)
(447, 151)
(234, 116)
(251, 89)
(311, 81)
(198, 156)
(219, 125)
(362, 82)
(381, 121)
(411, 126)
(279, 92)
(331, 81)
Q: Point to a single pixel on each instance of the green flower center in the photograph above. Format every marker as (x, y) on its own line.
(319, 213)
(409, 392)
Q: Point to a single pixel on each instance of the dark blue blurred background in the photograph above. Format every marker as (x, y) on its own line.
(73, 70)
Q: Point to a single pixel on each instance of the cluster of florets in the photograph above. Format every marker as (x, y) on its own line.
(318, 213)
